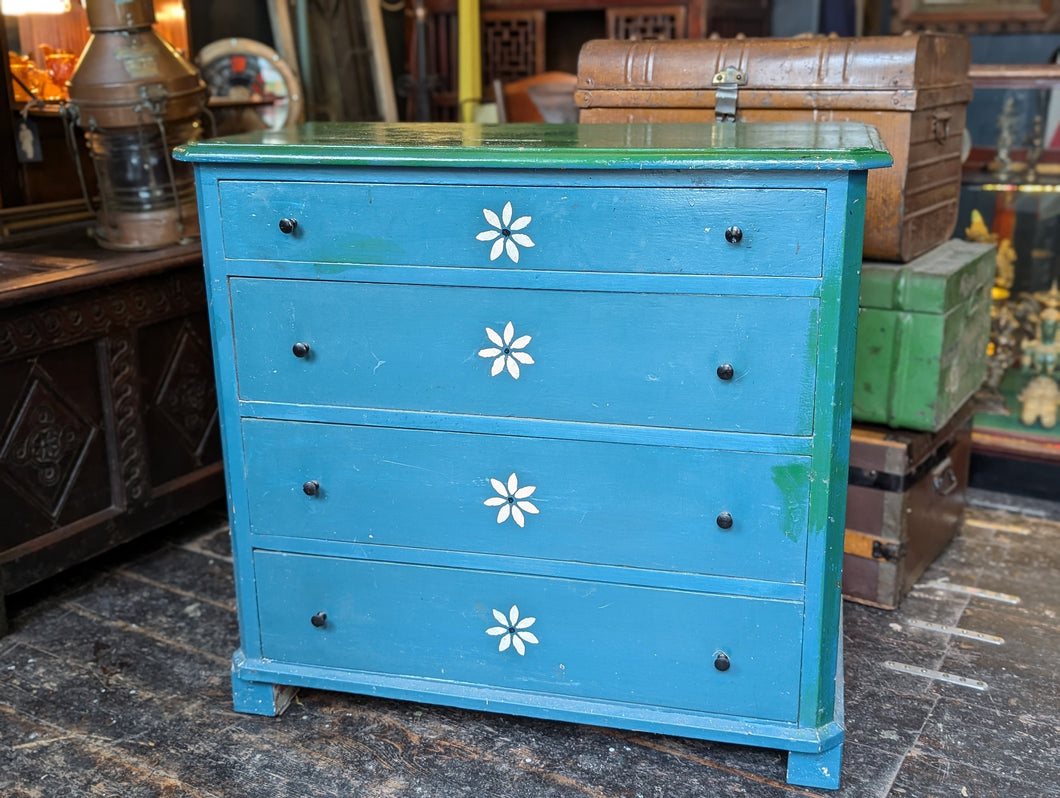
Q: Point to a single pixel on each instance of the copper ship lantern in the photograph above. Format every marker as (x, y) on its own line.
(136, 98)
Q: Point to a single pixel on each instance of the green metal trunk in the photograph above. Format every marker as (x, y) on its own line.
(923, 330)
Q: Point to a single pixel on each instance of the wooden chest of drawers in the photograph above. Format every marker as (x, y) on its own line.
(542, 420)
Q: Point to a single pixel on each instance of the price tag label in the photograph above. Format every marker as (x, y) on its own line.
(27, 140)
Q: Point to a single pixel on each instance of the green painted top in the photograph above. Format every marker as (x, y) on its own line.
(744, 145)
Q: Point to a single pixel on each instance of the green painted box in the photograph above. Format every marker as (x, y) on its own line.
(923, 329)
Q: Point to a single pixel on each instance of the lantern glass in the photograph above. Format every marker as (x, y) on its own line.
(146, 199)
(133, 167)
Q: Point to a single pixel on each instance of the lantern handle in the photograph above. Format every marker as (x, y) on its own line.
(69, 114)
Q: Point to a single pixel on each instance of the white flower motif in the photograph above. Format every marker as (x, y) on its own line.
(508, 352)
(512, 500)
(513, 631)
(504, 235)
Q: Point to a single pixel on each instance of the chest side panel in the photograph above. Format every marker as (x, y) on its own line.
(594, 229)
(656, 360)
(588, 639)
(668, 508)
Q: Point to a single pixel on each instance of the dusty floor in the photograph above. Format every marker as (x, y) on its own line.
(114, 682)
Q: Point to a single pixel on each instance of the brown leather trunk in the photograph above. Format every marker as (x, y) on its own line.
(913, 88)
(905, 501)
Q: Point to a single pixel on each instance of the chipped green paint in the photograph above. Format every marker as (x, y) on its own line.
(371, 250)
(813, 342)
(791, 480)
(374, 249)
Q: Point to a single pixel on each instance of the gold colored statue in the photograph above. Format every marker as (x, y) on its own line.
(1005, 273)
(978, 231)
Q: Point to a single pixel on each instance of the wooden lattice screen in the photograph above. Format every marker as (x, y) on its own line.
(646, 22)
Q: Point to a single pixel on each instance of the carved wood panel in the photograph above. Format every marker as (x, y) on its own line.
(24, 331)
(54, 466)
(976, 16)
(108, 418)
(646, 22)
(180, 403)
(129, 440)
(44, 443)
(513, 45)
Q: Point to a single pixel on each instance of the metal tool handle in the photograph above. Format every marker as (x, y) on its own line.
(944, 478)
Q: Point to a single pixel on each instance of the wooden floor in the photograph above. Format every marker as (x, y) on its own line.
(114, 682)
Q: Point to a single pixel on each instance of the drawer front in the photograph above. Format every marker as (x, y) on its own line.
(645, 230)
(646, 359)
(587, 639)
(689, 510)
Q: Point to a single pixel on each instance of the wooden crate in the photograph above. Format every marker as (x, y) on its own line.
(905, 500)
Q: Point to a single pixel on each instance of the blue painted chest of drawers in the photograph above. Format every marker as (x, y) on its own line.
(542, 420)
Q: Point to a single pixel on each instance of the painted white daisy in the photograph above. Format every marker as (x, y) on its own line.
(512, 631)
(507, 351)
(504, 236)
(512, 500)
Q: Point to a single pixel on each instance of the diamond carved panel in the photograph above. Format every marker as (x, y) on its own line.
(185, 396)
(45, 444)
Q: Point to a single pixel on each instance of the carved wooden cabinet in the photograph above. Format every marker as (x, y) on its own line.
(108, 416)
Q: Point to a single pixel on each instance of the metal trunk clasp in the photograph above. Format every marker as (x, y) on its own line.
(726, 86)
(940, 127)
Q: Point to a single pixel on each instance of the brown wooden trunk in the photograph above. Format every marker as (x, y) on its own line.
(914, 89)
(905, 501)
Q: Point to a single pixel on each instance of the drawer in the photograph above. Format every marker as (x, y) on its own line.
(614, 229)
(435, 490)
(652, 360)
(587, 639)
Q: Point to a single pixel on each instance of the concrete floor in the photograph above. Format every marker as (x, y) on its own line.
(114, 682)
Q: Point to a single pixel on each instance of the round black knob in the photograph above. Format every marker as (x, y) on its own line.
(287, 226)
(721, 661)
(725, 520)
(734, 235)
(726, 371)
(300, 349)
(311, 488)
(321, 618)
